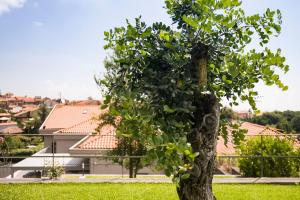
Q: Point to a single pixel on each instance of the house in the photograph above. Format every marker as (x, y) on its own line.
(10, 128)
(71, 129)
(27, 112)
(244, 114)
(5, 117)
(61, 120)
(57, 139)
(70, 136)
(252, 130)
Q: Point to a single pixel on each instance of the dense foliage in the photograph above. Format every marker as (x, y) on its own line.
(151, 82)
(288, 121)
(32, 126)
(268, 166)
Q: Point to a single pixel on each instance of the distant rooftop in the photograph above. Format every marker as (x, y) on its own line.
(253, 129)
(82, 128)
(67, 116)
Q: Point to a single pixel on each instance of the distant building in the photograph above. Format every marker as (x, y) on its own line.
(252, 129)
(15, 109)
(10, 128)
(73, 131)
(27, 113)
(5, 117)
(244, 114)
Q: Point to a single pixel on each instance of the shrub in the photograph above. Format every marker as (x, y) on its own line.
(14, 142)
(54, 172)
(272, 167)
(297, 161)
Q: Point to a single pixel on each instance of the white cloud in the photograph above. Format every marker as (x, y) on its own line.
(38, 23)
(7, 5)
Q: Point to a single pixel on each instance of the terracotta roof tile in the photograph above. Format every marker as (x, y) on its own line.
(66, 116)
(106, 139)
(12, 130)
(5, 114)
(82, 128)
(26, 110)
(253, 129)
(9, 124)
(97, 142)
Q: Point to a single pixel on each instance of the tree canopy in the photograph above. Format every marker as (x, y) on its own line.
(288, 121)
(151, 84)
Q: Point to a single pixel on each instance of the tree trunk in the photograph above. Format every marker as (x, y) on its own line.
(130, 160)
(130, 167)
(203, 137)
(136, 165)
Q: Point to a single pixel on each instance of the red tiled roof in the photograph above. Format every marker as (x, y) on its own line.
(66, 116)
(82, 128)
(10, 127)
(26, 110)
(25, 99)
(5, 114)
(253, 129)
(106, 139)
(8, 124)
(97, 142)
(12, 130)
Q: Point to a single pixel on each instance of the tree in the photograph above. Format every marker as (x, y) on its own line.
(170, 82)
(228, 114)
(43, 113)
(295, 123)
(286, 120)
(4, 150)
(268, 118)
(134, 150)
(32, 125)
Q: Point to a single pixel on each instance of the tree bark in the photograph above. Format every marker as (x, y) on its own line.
(203, 137)
(130, 167)
(136, 164)
(130, 164)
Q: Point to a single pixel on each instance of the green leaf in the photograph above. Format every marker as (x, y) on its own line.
(187, 152)
(285, 88)
(224, 78)
(193, 155)
(104, 106)
(167, 109)
(164, 35)
(185, 176)
(190, 21)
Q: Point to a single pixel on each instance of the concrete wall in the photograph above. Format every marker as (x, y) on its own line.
(98, 166)
(63, 143)
(5, 171)
(48, 143)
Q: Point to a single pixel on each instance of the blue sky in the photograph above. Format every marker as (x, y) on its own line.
(47, 47)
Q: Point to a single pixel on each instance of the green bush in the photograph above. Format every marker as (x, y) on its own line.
(54, 172)
(297, 161)
(272, 167)
(14, 142)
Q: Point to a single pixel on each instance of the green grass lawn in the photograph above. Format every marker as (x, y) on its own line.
(126, 176)
(140, 191)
